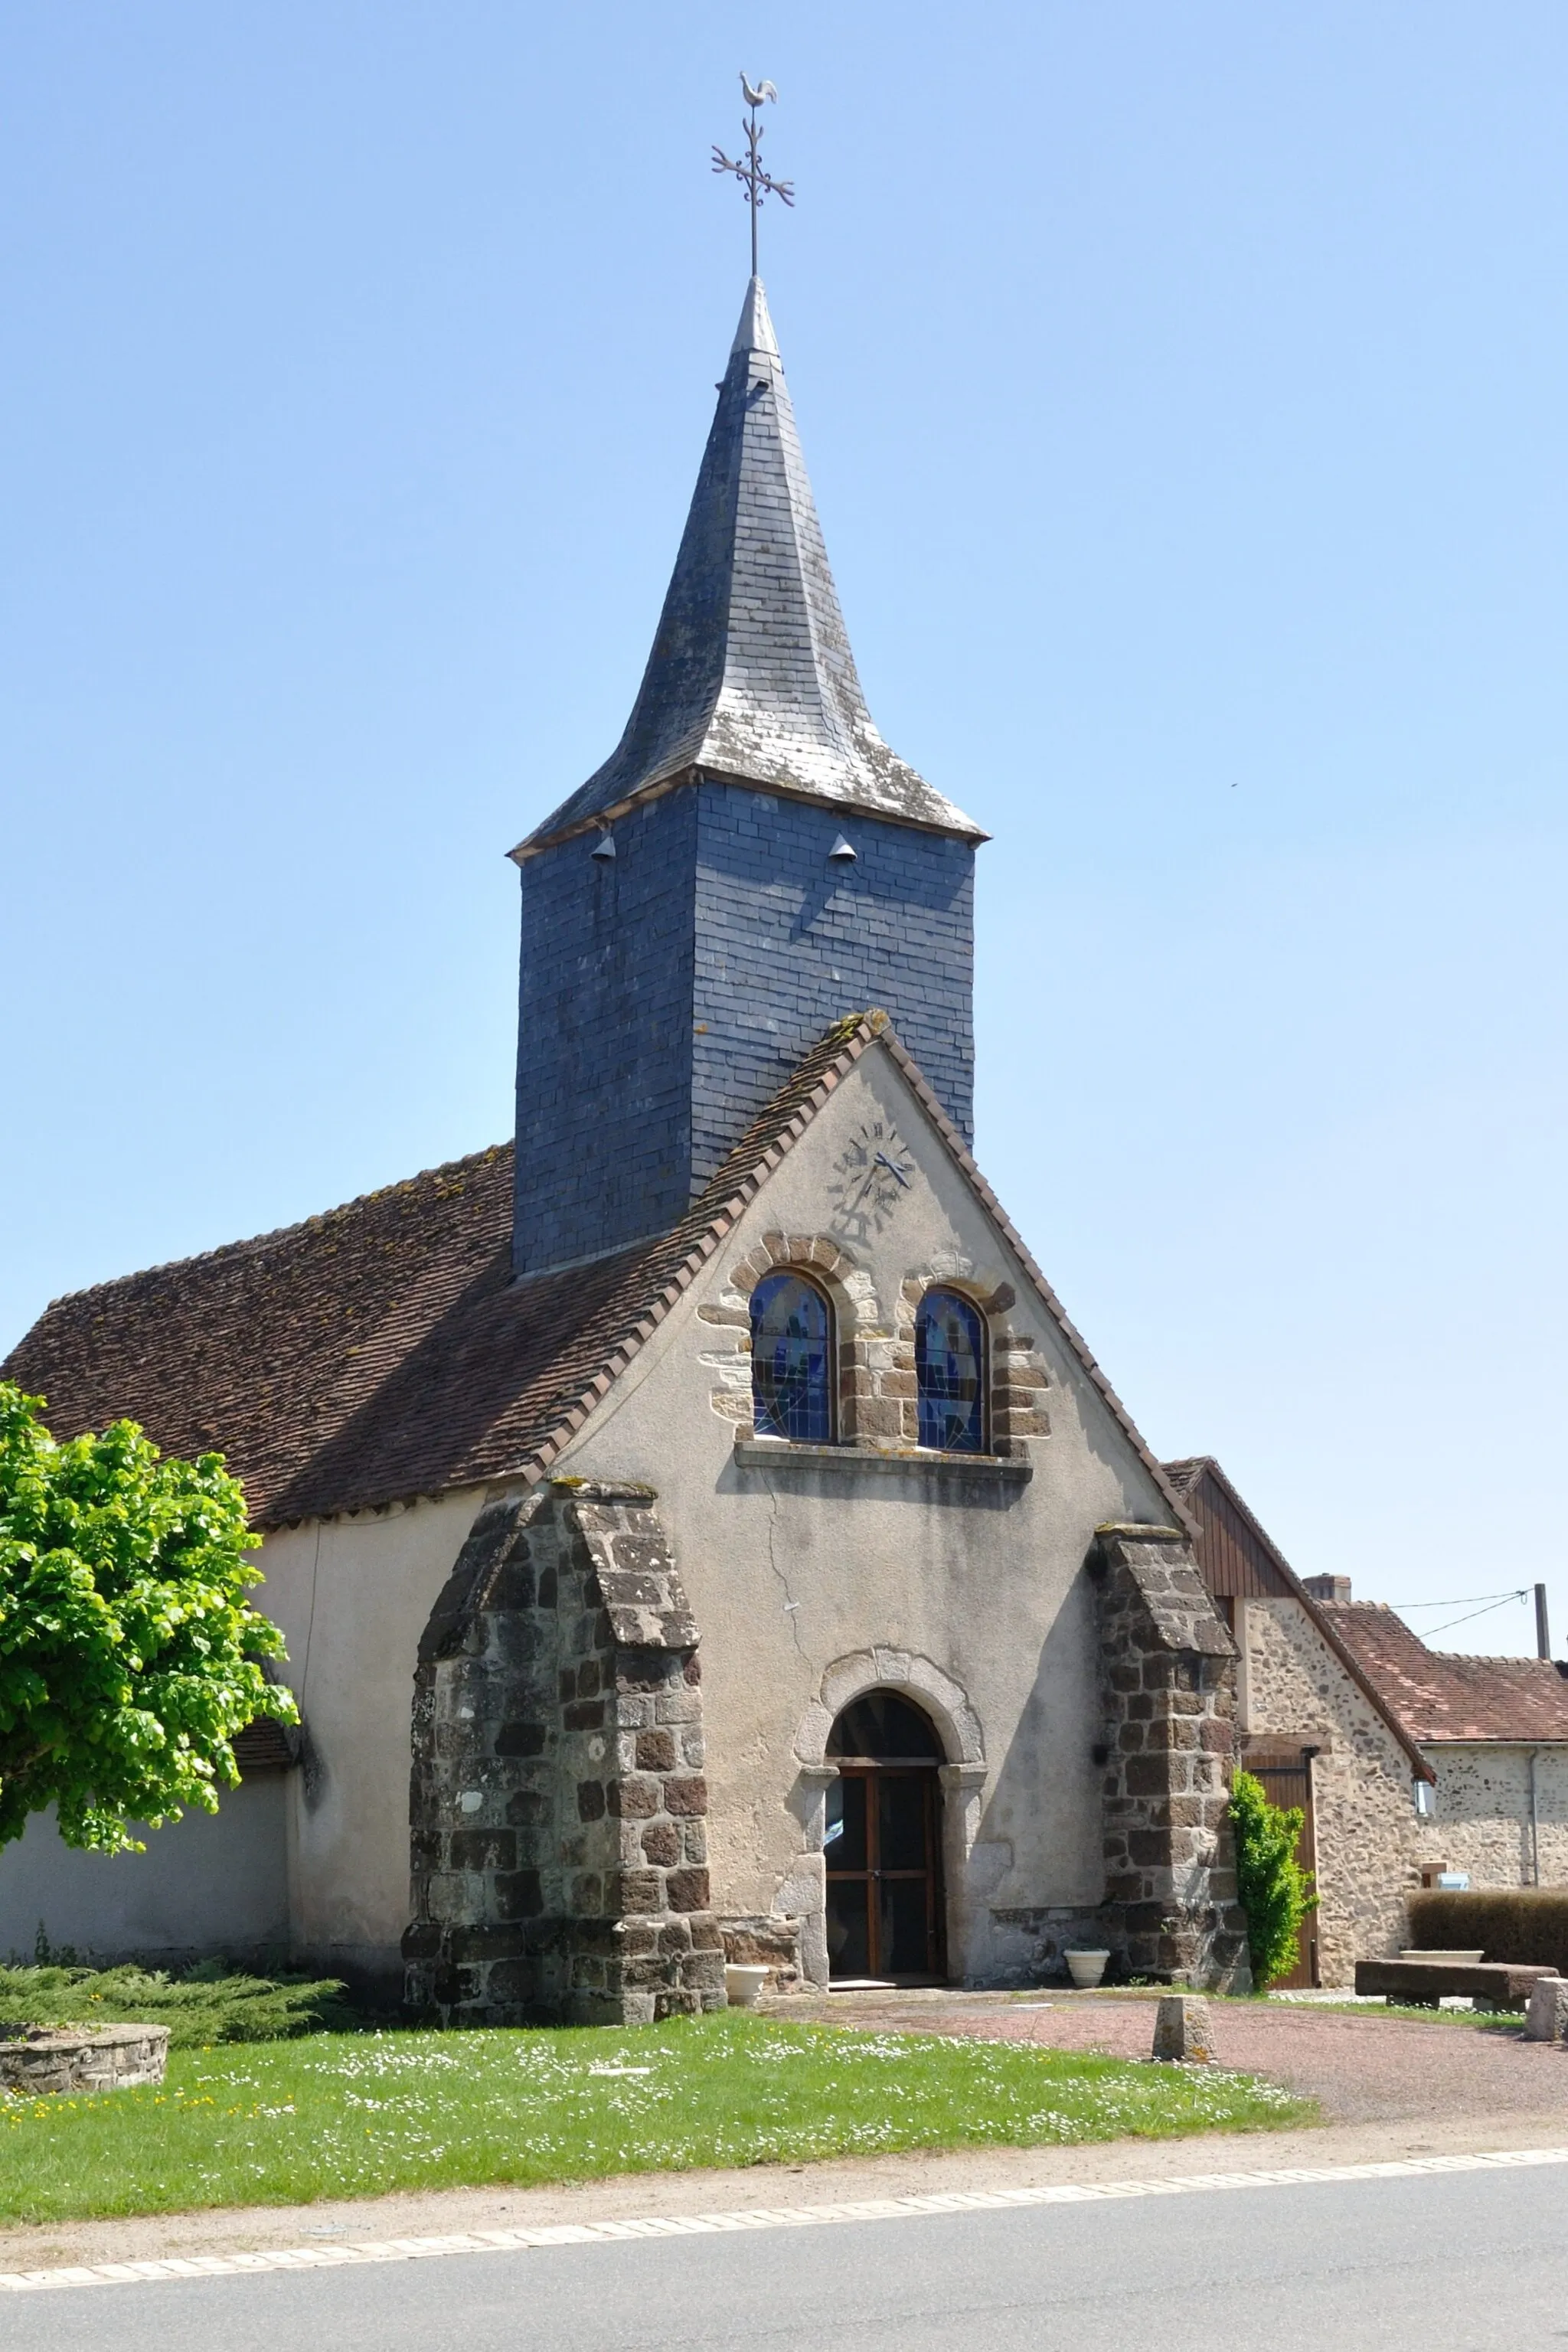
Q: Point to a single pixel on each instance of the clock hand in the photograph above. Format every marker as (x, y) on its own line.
(884, 1161)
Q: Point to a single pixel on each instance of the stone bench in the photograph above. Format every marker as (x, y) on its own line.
(1422, 1984)
(38, 2058)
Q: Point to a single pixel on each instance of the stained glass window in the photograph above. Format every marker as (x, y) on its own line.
(792, 1360)
(950, 1373)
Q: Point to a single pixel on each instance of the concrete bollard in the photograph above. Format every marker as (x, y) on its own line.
(1182, 2029)
(1546, 2019)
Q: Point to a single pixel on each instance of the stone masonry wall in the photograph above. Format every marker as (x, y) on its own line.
(1482, 1823)
(1369, 1840)
(1168, 1681)
(558, 1801)
(1372, 1846)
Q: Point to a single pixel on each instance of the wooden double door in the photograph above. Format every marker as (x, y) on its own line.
(884, 1874)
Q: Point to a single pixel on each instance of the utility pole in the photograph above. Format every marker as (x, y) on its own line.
(1542, 1630)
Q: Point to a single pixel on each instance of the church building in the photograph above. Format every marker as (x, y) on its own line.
(697, 1529)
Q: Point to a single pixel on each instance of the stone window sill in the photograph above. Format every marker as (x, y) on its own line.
(777, 1454)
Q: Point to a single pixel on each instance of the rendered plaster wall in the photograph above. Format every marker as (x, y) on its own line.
(1369, 1840)
(209, 1883)
(971, 1589)
(353, 1596)
(1482, 1823)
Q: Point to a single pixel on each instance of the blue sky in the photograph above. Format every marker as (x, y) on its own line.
(1184, 392)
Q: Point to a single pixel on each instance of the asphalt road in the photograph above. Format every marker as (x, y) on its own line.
(1464, 2263)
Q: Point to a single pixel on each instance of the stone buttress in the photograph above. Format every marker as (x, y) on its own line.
(1168, 1688)
(557, 1800)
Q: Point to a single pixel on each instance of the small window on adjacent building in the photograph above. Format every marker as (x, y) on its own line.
(792, 1360)
(950, 1373)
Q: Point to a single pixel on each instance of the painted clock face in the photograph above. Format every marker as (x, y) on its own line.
(871, 1176)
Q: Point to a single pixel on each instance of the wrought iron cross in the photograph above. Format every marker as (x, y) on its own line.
(751, 174)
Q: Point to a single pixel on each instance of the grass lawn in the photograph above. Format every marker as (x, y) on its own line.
(341, 2114)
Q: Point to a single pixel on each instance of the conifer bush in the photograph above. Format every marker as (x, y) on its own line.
(1276, 1893)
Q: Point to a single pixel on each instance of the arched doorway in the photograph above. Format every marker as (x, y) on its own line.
(883, 1845)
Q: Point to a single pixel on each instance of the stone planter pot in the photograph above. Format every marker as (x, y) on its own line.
(1086, 1968)
(742, 1984)
(38, 2058)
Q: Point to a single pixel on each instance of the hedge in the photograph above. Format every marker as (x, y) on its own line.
(1510, 1922)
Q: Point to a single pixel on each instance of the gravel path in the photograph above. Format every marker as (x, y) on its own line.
(1362, 2067)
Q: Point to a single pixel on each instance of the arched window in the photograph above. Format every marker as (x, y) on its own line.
(950, 1373)
(792, 1360)
(885, 1729)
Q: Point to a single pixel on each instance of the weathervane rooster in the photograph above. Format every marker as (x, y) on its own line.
(751, 174)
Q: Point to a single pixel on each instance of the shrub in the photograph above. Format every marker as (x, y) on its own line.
(1275, 1892)
(199, 2009)
(1523, 1923)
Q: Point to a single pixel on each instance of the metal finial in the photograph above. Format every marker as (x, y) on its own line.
(751, 174)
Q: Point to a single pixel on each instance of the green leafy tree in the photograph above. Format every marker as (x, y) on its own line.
(129, 1654)
(1275, 1892)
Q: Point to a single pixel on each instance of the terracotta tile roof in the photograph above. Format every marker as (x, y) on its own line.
(1443, 1694)
(383, 1351)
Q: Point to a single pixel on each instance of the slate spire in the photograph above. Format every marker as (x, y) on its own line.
(751, 677)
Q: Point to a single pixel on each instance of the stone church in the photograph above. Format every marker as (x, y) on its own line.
(696, 1527)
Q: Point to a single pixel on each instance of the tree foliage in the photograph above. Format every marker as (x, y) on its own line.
(1275, 1892)
(129, 1654)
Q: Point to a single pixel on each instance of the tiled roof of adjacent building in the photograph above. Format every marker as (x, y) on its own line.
(383, 1351)
(1443, 1694)
(751, 676)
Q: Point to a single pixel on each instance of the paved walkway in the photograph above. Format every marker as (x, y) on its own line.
(1362, 2066)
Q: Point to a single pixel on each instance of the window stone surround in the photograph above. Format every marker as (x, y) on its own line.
(877, 1398)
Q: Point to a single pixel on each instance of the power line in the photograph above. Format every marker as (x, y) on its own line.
(1462, 1600)
(1449, 1623)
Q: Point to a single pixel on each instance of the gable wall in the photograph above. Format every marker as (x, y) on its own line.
(791, 1572)
(1368, 1837)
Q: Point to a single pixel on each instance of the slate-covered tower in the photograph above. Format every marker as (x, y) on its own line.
(750, 864)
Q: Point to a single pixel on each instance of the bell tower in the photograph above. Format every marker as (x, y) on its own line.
(752, 863)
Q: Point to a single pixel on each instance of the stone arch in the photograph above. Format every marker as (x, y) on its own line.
(962, 1779)
(944, 1700)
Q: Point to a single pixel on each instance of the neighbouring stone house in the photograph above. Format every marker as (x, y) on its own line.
(1407, 1761)
(696, 1526)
